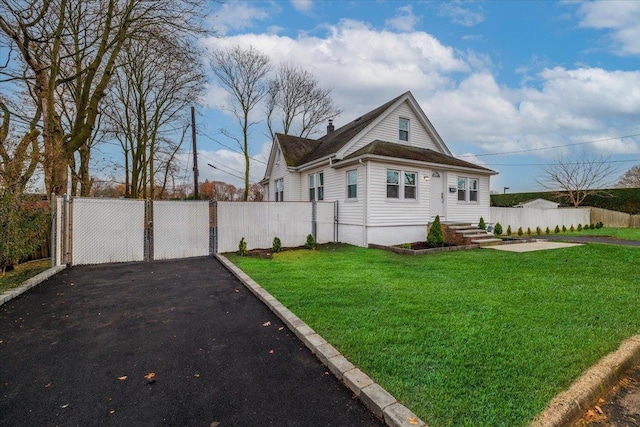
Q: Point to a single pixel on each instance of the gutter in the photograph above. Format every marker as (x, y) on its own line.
(359, 159)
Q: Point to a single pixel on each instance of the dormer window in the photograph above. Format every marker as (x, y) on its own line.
(403, 129)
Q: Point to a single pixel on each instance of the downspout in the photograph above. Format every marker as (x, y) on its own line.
(365, 208)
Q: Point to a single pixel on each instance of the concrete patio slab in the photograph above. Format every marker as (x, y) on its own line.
(531, 246)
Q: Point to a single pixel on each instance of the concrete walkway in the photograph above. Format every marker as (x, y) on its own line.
(171, 343)
(531, 246)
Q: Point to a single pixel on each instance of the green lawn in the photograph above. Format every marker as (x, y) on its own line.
(22, 272)
(477, 337)
(619, 233)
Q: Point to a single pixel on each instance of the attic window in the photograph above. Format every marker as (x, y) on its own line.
(403, 127)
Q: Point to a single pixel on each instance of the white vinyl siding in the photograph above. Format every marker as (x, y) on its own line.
(383, 211)
(468, 211)
(387, 130)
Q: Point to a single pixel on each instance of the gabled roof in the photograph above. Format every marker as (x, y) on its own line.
(298, 151)
(398, 151)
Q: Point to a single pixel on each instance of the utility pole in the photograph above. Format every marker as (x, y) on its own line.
(195, 154)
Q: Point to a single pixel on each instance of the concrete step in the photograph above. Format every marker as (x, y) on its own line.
(488, 241)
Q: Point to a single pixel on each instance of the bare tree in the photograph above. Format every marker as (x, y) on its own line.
(242, 73)
(631, 178)
(146, 108)
(577, 179)
(296, 99)
(71, 47)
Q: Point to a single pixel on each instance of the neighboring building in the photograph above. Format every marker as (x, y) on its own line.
(538, 204)
(389, 171)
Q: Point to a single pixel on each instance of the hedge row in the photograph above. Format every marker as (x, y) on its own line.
(616, 199)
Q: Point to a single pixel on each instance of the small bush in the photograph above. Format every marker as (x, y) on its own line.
(310, 243)
(520, 233)
(528, 231)
(592, 226)
(277, 245)
(435, 237)
(564, 229)
(242, 248)
(599, 225)
(481, 224)
(556, 230)
(538, 231)
(508, 230)
(572, 228)
(497, 230)
(406, 246)
(547, 231)
(579, 227)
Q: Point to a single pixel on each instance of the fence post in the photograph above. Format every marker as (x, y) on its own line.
(213, 223)
(314, 220)
(54, 222)
(335, 222)
(148, 230)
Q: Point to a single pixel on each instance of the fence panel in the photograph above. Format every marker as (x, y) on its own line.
(543, 218)
(610, 218)
(259, 223)
(325, 230)
(107, 230)
(180, 229)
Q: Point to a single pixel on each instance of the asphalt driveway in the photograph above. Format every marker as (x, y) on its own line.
(76, 349)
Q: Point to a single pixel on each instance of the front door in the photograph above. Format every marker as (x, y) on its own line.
(437, 194)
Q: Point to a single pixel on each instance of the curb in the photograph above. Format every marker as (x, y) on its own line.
(377, 399)
(567, 407)
(30, 283)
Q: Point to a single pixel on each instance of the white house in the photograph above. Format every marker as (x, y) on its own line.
(538, 204)
(389, 170)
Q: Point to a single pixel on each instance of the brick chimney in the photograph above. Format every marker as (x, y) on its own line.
(330, 128)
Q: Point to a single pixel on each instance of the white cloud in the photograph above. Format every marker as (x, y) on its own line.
(404, 20)
(461, 15)
(620, 17)
(302, 6)
(237, 16)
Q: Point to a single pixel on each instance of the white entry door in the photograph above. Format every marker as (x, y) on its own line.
(437, 194)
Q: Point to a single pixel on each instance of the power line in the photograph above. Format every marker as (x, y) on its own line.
(548, 164)
(227, 147)
(528, 150)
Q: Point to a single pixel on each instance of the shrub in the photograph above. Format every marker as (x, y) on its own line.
(406, 246)
(508, 230)
(556, 230)
(481, 224)
(564, 229)
(310, 243)
(277, 245)
(435, 237)
(528, 231)
(572, 228)
(538, 231)
(592, 226)
(579, 227)
(547, 231)
(242, 248)
(497, 230)
(520, 233)
(599, 225)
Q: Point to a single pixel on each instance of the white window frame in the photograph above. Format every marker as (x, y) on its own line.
(355, 184)
(279, 187)
(404, 133)
(402, 186)
(467, 193)
(316, 186)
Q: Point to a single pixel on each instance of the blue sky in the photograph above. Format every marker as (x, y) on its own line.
(538, 79)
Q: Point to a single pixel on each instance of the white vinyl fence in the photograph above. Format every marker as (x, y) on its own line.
(543, 218)
(180, 229)
(259, 223)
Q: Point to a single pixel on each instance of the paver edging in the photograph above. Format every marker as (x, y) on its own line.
(567, 407)
(7, 296)
(376, 398)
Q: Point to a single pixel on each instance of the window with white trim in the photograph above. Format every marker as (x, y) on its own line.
(468, 189)
(352, 184)
(401, 185)
(316, 186)
(403, 129)
(279, 184)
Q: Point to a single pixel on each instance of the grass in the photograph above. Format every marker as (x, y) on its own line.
(14, 278)
(478, 337)
(619, 233)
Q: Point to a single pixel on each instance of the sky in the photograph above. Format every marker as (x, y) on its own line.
(511, 85)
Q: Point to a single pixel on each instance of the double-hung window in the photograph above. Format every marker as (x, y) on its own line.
(279, 190)
(352, 184)
(468, 189)
(401, 185)
(316, 186)
(403, 129)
